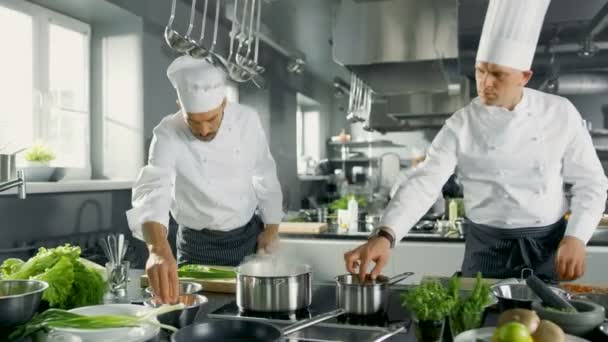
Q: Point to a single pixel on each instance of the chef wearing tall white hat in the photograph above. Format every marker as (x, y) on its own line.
(210, 166)
(513, 149)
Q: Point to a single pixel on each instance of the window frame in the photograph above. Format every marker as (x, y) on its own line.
(42, 18)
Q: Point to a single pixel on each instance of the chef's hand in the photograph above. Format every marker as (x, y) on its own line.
(377, 249)
(161, 269)
(268, 239)
(570, 258)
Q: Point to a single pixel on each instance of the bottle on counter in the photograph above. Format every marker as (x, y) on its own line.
(453, 211)
(353, 213)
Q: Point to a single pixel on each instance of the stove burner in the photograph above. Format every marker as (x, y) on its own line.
(285, 315)
(378, 320)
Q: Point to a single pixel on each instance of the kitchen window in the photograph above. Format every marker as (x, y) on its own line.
(308, 128)
(44, 88)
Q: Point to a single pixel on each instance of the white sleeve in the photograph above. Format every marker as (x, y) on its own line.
(582, 169)
(152, 191)
(418, 193)
(265, 181)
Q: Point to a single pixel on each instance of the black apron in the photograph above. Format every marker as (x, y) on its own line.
(504, 253)
(220, 248)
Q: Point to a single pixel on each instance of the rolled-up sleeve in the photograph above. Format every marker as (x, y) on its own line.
(419, 191)
(265, 182)
(152, 192)
(582, 169)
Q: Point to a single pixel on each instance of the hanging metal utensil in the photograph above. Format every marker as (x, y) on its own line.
(176, 41)
(106, 251)
(199, 51)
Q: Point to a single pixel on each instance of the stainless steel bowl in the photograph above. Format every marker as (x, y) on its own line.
(19, 300)
(520, 295)
(184, 317)
(185, 287)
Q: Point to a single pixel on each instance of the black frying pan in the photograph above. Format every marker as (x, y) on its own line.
(246, 331)
(230, 330)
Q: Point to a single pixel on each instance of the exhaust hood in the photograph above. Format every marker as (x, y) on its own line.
(406, 51)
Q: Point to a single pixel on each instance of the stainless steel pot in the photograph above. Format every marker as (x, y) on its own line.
(264, 287)
(366, 298)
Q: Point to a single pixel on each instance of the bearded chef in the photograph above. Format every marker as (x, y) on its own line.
(513, 149)
(210, 166)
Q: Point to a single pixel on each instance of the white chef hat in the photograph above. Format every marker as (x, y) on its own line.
(510, 32)
(200, 86)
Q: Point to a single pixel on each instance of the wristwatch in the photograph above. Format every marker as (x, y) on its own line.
(379, 231)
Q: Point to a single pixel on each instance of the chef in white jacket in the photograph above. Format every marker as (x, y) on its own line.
(513, 149)
(210, 166)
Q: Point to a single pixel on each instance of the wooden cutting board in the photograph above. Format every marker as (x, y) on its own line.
(302, 227)
(209, 285)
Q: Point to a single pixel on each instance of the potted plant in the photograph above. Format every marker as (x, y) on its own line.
(430, 304)
(38, 159)
(467, 312)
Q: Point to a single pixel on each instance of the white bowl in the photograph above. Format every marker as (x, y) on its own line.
(132, 334)
(38, 173)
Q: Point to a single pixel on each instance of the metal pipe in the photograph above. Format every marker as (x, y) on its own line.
(599, 22)
(19, 183)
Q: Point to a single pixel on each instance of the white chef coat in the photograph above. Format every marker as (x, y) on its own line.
(215, 184)
(512, 166)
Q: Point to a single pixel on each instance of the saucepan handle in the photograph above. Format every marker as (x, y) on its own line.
(390, 333)
(312, 321)
(394, 280)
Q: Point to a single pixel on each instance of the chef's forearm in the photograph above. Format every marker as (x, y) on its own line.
(155, 236)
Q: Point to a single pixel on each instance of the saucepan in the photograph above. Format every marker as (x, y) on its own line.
(252, 331)
(367, 298)
(267, 285)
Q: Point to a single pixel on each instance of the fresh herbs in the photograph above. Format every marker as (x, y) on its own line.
(430, 301)
(205, 272)
(56, 318)
(433, 301)
(467, 312)
(73, 282)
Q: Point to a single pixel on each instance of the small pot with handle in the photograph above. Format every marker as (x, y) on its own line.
(263, 287)
(366, 298)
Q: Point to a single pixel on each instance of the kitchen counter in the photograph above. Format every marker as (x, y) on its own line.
(320, 332)
(599, 238)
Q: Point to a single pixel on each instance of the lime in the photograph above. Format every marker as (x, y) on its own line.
(512, 332)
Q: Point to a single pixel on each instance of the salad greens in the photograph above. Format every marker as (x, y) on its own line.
(73, 282)
(342, 203)
(429, 301)
(205, 272)
(57, 318)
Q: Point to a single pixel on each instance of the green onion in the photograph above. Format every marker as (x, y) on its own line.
(204, 272)
(57, 318)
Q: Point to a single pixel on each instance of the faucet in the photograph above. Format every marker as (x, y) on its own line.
(19, 183)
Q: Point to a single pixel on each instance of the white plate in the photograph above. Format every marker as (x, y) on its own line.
(485, 335)
(133, 334)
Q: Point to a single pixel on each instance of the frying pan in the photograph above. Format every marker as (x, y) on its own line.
(252, 331)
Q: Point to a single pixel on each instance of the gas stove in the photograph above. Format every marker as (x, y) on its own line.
(324, 300)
